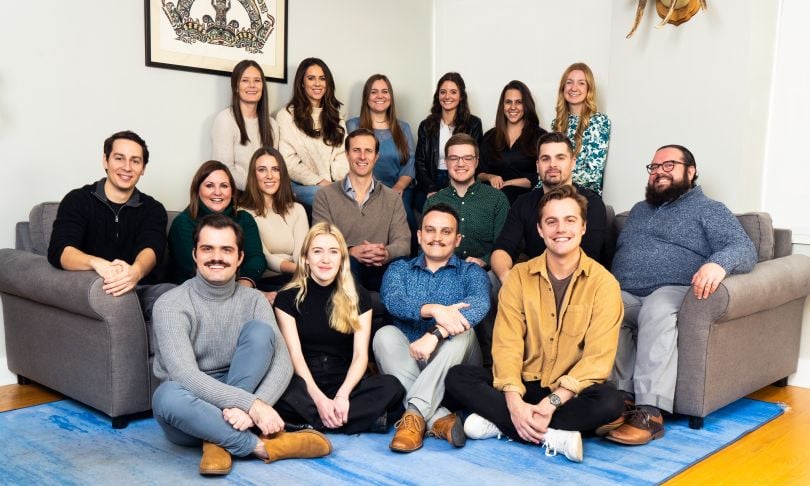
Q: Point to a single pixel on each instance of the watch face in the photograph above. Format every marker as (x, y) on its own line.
(554, 400)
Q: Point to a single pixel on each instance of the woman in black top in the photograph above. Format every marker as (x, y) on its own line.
(509, 151)
(326, 321)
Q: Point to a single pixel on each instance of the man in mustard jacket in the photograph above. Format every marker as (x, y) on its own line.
(554, 343)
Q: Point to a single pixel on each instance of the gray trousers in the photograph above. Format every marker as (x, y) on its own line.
(647, 358)
(424, 381)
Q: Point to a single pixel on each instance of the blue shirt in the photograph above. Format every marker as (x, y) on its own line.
(389, 168)
(408, 285)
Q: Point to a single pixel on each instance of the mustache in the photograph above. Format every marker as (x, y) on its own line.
(217, 262)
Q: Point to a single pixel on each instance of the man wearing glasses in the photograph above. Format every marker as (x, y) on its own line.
(482, 209)
(675, 241)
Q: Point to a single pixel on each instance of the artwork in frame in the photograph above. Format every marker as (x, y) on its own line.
(211, 36)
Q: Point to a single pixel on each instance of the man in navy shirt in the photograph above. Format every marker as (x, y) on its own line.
(435, 300)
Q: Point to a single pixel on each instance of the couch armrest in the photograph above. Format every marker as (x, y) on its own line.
(31, 277)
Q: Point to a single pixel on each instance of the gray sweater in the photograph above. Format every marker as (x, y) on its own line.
(666, 245)
(197, 326)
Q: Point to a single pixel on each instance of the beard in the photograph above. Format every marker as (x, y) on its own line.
(671, 193)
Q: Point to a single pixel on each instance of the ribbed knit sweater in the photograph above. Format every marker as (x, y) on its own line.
(197, 326)
(667, 244)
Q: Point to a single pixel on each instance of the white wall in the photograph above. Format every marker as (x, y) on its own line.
(63, 93)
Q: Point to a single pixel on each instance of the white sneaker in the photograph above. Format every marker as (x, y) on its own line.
(477, 427)
(565, 441)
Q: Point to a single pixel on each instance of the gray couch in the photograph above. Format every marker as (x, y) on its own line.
(62, 331)
(746, 335)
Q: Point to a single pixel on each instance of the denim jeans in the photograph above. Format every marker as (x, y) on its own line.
(189, 420)
(305, 194)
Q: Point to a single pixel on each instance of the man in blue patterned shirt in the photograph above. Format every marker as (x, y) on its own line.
(435, 300)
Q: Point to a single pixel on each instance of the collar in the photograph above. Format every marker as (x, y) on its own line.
(98, 191)
(538, 265)
(470, 190)
(204, 210)
(420, 262)
(350, 192)
(209, 291)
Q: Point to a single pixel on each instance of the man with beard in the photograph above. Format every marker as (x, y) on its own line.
(223, 362)
(555, 164)
(676, 239)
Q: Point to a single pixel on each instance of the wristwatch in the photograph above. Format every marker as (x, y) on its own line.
(436, 332)
(555, 400)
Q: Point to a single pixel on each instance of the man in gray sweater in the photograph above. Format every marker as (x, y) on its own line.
(369, 214)
(223, 361)
(674, 242)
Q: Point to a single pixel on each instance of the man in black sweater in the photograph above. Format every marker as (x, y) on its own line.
(112, 228)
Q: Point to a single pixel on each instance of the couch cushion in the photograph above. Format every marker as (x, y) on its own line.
(40, 225)
(759, 228)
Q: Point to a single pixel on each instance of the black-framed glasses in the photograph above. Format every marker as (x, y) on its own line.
(457, 158)
(667, 165)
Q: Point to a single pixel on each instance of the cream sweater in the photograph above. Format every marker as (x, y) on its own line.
(309, 160)
(227, 149)
(281, 237)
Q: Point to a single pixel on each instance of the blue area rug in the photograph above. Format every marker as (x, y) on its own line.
(67, 443)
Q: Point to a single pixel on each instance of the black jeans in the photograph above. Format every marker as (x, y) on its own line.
(470, 387)
(372, 397)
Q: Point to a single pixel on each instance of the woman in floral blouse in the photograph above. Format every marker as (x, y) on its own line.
(588, 129)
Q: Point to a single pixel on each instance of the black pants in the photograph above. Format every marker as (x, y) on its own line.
(374, 396)
(470, 387)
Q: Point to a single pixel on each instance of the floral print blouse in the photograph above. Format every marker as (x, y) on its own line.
(590, 167)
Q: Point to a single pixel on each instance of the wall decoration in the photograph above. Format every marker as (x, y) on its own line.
(211, 36)
(673, 12)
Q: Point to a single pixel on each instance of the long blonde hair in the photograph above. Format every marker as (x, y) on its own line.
(344, 313)
(561, 122)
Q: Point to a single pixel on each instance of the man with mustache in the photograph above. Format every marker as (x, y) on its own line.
(369, 214)
(554, 343)
(435, 300)
(223, 361)
(111, 227)
(675, 241)
(555, 165)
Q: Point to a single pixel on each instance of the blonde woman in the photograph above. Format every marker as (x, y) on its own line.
(326, 321)
(588, 129)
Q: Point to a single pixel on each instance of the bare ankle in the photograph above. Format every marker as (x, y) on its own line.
(259, 451)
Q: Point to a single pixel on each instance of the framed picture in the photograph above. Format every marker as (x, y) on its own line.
(211, 36)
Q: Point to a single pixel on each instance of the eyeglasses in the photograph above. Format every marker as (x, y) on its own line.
(466, 158)
(666, 165)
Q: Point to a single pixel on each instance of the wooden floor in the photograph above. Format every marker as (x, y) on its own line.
(777, 453)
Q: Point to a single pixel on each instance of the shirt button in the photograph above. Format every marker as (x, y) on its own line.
(462, 203)
(462, 219)
(552, 314)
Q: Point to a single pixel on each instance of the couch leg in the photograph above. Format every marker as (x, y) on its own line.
(120, 422)
(21, 380)
(696, 423)
(781, 383)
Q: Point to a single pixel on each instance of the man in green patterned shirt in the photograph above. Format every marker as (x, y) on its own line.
(481, 208)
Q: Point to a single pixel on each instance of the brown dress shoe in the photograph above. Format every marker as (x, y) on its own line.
(303, 444)
(410, 432)
(609, 427)
(215, 460)
(451, 429)
(639, 428)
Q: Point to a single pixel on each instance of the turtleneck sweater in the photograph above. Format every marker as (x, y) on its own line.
(197, 327)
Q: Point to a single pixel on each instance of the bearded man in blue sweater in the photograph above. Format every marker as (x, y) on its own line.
(675, 241)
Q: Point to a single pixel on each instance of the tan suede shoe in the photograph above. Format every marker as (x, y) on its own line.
(451, 429)
(303, 444)
(410, 432)
(639, 428)
(215, 460)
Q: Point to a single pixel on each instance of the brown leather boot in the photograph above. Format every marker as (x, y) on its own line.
(215, 460)
(451, 429)
(304, 444)
(639, 428)
(410, 432)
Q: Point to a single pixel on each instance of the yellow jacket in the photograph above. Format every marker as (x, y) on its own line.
(528, 345)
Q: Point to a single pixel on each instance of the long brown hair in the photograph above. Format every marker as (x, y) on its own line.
(463, 115)
(205, 170)
(530, 121)
(331, 132)
(397, 134)
(344, 313)
(262, 111)
(253, 197)
(561, 122)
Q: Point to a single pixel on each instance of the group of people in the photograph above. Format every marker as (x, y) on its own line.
(506, 322)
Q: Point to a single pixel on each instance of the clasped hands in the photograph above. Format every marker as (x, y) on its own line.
(370, 254)
(119, 276)
(450, 322)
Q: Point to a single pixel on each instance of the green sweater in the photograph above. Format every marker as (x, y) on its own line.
(181, 242)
